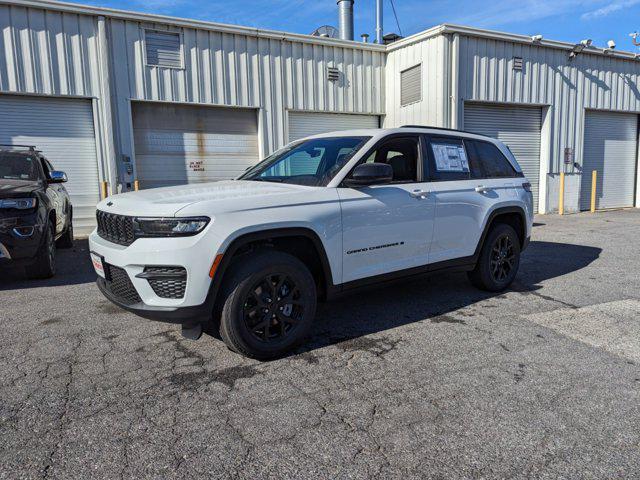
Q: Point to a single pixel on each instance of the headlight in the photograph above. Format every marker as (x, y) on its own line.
(169, 227)
(19, 203)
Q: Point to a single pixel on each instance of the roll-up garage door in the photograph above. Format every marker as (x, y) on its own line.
(62, 128)
(516, 126)
(303, 124)
(179, 144)
(610, 146)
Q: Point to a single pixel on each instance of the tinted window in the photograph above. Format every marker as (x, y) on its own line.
(448, 160)
(487, 161)
(402, 155)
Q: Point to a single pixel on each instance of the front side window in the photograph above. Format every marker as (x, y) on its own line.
(16, 166)
(311, 162)
(489, 160)
(402, 154)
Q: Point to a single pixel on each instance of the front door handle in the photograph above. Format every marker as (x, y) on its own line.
(419, 194)
(482, 189)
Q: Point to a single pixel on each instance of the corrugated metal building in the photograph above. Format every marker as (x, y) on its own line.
(118, 96)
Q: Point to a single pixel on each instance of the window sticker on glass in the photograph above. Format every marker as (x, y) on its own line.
(450, 157)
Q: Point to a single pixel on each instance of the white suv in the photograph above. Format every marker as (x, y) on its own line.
(319, 217)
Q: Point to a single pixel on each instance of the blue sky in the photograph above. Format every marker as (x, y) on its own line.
(569, 20)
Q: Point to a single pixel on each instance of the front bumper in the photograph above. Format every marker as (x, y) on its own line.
(135, 292)
(16, 248)
(179, 315)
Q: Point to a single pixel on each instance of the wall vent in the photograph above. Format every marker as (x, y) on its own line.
(517, 63)
(163, 49)
(333, 74)
(411, 85)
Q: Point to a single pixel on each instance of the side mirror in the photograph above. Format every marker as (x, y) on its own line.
(370, 174)
(57, 176)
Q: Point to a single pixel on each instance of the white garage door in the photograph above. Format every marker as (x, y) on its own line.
(518, 127)
(179, 144)
(63, 130)
(610, 144)
(303, 124)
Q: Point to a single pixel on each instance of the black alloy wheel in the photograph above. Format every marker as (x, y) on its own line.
(273, 308)
(502, 258)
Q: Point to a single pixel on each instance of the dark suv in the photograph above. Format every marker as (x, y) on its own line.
(35, 211)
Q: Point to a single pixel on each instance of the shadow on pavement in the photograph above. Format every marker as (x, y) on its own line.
(73, 267)
(433, 297)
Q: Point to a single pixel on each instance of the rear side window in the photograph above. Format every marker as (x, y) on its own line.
(487, 161)
(448, 160)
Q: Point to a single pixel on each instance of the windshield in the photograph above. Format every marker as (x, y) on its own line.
(18, 166)
(308, 162)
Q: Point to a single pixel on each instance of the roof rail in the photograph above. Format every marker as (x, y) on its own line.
(3, 146)
(434, 128)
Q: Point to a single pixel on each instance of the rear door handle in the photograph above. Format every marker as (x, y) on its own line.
(419, 194)
(482, 189)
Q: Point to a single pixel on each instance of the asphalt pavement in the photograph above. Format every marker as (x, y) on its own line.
(429, 378)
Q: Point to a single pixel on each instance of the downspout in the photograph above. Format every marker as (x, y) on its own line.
(455, 83)
(105, 127)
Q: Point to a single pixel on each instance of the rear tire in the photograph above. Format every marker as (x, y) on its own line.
(269, 304)
(44, 264)
(66, 240)
(499, 260)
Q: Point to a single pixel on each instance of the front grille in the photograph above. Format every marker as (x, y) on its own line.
(115, 228)
(119, 284)
(167, 282)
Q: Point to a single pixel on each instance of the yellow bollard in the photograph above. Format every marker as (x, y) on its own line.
(561, 195)
(594, 184)
(136, 185)
(103, 190)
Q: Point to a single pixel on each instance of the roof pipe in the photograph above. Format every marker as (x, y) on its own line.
(379, 22)
(345, 9)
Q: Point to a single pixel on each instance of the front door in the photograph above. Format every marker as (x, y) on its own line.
(387, 228)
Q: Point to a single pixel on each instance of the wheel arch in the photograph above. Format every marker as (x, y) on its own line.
(511, 215)
(293, 240)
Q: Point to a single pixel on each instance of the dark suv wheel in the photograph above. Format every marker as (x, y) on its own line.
(269, 304)
(499, 259)
(44, 263)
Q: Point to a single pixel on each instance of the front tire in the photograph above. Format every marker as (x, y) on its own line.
(499, 260)
(44, 264)
(269, 304)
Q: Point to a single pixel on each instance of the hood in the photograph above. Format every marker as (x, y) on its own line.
(18, 188)
(168, 201)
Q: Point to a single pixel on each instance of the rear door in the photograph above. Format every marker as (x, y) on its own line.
(467, 177)
(387, 228)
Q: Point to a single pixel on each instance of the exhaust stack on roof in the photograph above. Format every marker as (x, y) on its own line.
(345, 8)
(379, 22)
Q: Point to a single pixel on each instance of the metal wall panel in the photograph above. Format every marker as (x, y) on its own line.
(610, 148)
(179, 144)
(549, 78)
(303, 124)
(516, 126)
(63, 129)
(237, 70)
(47, 52)
(431, 54)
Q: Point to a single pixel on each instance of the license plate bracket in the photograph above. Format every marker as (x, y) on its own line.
(99, 265)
